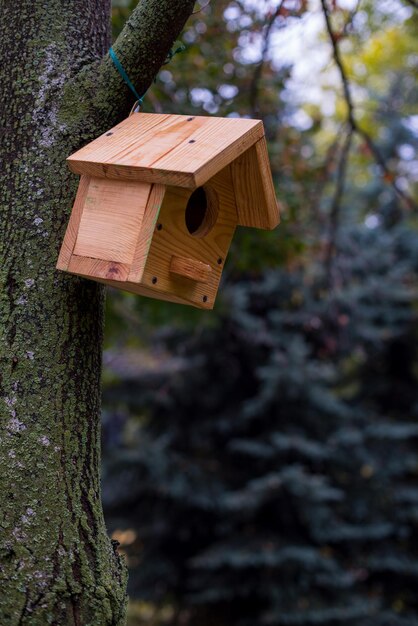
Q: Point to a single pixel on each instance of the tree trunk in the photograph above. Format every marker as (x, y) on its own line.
(58, 91)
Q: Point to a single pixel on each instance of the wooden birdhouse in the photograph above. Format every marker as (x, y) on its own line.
(159, 199)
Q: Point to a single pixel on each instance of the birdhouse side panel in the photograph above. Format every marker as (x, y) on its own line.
(84, 245)
(254, 189)
(71, 233)
(188, 265)
(146, 233)
(111, 220)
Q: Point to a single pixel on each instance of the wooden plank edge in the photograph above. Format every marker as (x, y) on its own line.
(270, 217)
(216, 164)
(273, 218)
(190, 268)
(98, 268)
(143, 244)
(128, 173)
(71, 232)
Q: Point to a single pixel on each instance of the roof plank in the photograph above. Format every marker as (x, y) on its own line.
(176, 150)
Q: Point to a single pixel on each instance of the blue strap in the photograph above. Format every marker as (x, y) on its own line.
(125, 76)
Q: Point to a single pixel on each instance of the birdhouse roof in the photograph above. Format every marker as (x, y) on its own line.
(186, 151)
(179, 150)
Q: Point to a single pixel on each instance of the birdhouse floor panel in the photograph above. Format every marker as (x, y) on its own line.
(173, 150)
(111, 219)
(95, 268)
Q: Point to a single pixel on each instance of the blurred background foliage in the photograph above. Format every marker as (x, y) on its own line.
(260, 461)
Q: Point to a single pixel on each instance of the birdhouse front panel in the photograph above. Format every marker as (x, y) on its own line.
(191, 241)
(159, 199)
(112, 216)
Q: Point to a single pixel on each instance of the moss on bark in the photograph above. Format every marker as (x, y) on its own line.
(57, 565)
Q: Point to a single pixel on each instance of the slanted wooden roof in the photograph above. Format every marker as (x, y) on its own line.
(186, 151)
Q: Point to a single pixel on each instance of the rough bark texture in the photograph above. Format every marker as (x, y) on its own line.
(57, 91)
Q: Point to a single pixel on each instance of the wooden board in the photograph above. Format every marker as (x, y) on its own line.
(94, 268)
(190, 268)
(254, 190)
(146, 233)
(175, 150)
(73, 225)
(111, 220)
(106, 272)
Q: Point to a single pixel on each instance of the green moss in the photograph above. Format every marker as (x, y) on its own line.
(54, 550)
(57, 564)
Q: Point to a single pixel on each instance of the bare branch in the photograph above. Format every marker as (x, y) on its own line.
(351, 119)
(255, 83)
(339, 63)
(413, 3)
(350, 19)
(336, 201)
(324, 175)
(202, 8)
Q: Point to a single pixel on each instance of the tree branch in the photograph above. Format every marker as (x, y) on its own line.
(98, 93)
(351, 119)
(255, 83)
(336, 202)
(413, 3)
(323, 175)
(202, 8)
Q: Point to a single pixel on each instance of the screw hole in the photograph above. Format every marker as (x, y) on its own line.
(190, 119)
(192, 141)
(159, 226)
(205, 298)
(108, 134)
(154, 280)
(220, 261)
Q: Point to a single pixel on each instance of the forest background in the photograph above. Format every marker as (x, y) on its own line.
(260, 461)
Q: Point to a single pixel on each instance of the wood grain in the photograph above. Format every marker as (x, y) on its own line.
(145, 170)
(94, 268)
(111, 220)
(176, 150)
(253, 184)
(141, 290)
(70, 236)
(190, 268)
(175, 240)
(146, 233)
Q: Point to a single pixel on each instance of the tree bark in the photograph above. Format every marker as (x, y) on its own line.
(58, 90)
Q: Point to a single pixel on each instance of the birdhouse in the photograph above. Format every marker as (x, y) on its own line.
(159, 199)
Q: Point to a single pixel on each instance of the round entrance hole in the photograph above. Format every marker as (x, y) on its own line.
(202, 211)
